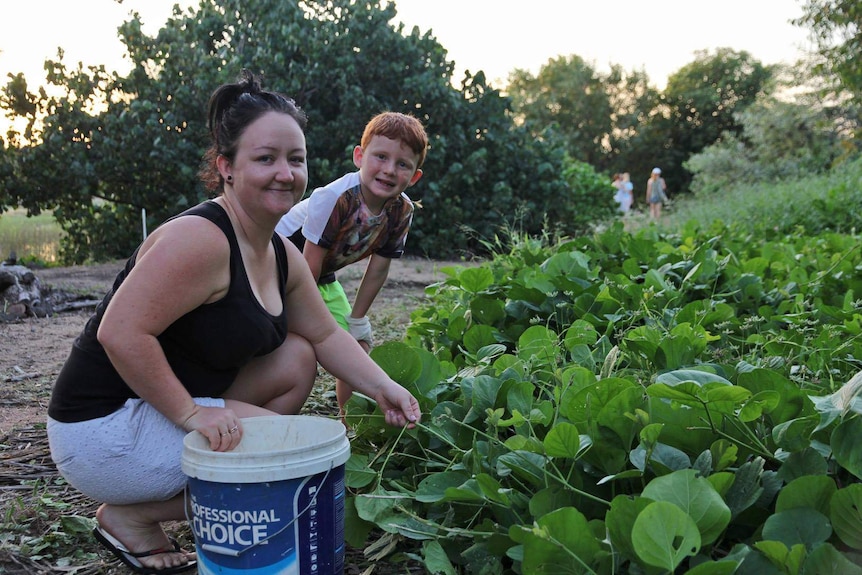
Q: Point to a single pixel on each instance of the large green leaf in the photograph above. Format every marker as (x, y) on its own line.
(660, 457)
(684, 427)
(620, 521)
(801, 525)
(845, 445)
(809, 461)
(747, 487)
(475, 279)
(696, 497)
(793, 400)
(487, 310)
(789, 560)
(400, 362)
(697, 376)
(526, 465)
(538, 343)
(845, 512)
(435, 559)
(814, 491)
(795, 434)
(561, 543)
(356, 529)
(827, 560)
(682, 346)
(357, 474)
(433, 488)
(552, 498)
(478, 336)
(760, 403)
(663, 535)
(563, 440)
(484, 391)
(580, 332)
(642, 341)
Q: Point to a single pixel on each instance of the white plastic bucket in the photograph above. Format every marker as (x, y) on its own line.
(273, 505)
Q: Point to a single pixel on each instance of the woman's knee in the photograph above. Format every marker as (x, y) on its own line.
(289, 369)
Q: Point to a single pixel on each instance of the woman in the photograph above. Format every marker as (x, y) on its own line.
(656, 193)
(214, 318)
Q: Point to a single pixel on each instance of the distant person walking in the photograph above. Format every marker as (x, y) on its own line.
(628, 197)
(618, 187)
(656, 193)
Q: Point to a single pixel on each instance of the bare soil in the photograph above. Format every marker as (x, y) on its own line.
(32, 352)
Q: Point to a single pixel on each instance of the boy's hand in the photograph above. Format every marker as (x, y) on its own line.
(360, 329)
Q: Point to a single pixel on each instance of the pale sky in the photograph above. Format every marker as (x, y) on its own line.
(496, 36)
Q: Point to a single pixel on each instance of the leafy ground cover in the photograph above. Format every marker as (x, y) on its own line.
(628, 403)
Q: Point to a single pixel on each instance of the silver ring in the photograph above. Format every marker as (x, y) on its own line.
(232, 429)
(223, 434)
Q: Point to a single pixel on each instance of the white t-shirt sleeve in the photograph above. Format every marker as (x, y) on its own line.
(293, 220)
(321, 203)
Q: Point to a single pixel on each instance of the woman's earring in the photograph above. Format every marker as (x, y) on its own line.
(229, 178)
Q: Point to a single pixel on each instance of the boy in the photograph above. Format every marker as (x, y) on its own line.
(363, 214)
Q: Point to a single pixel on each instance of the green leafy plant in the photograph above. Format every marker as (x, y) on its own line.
(626, 403)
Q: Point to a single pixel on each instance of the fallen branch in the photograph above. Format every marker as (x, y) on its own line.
(75, 305)
(22, 376)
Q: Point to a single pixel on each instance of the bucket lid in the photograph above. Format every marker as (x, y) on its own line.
(273, 448)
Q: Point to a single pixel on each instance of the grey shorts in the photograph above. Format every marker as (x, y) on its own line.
(133, 455)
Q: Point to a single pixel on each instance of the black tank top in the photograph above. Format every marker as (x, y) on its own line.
(205, 348)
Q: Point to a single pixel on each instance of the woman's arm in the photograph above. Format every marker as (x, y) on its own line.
(172, 276)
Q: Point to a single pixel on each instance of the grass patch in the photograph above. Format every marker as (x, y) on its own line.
(33, 239)
(811, 205)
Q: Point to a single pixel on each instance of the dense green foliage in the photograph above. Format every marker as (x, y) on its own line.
(617, 122)
(111, 149)
(703, 98)
(111, 146)
(628, 403)
(810, 205)
(836, 26)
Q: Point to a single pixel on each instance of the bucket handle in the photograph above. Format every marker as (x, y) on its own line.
(237, 552)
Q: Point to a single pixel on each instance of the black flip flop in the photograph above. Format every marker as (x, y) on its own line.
(130, 559)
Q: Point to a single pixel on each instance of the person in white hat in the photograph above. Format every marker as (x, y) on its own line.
(656, 193)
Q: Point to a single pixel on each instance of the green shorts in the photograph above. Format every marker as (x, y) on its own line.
(336, 301)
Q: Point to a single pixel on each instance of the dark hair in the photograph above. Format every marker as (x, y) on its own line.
(398, 126)
(231, 109)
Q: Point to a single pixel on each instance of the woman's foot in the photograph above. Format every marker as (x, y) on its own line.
(141, 545)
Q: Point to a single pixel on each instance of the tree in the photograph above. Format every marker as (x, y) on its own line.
(699, 104)
(789, 132)
(111, 146)
(836, 26)
(570, 97)
(780, 140)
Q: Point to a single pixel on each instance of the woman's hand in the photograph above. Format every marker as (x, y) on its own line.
(219, 425)
(399, 407)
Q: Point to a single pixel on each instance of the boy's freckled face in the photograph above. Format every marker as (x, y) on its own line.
(387, 167)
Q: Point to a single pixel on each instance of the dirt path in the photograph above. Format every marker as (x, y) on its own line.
(32, 351)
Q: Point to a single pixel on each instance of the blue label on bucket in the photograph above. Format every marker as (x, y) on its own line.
(291, 527)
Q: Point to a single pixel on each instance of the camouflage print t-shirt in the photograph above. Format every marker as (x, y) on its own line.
(335, 218)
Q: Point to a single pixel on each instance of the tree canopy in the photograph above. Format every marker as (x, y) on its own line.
(111, 147)
(836, 26)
